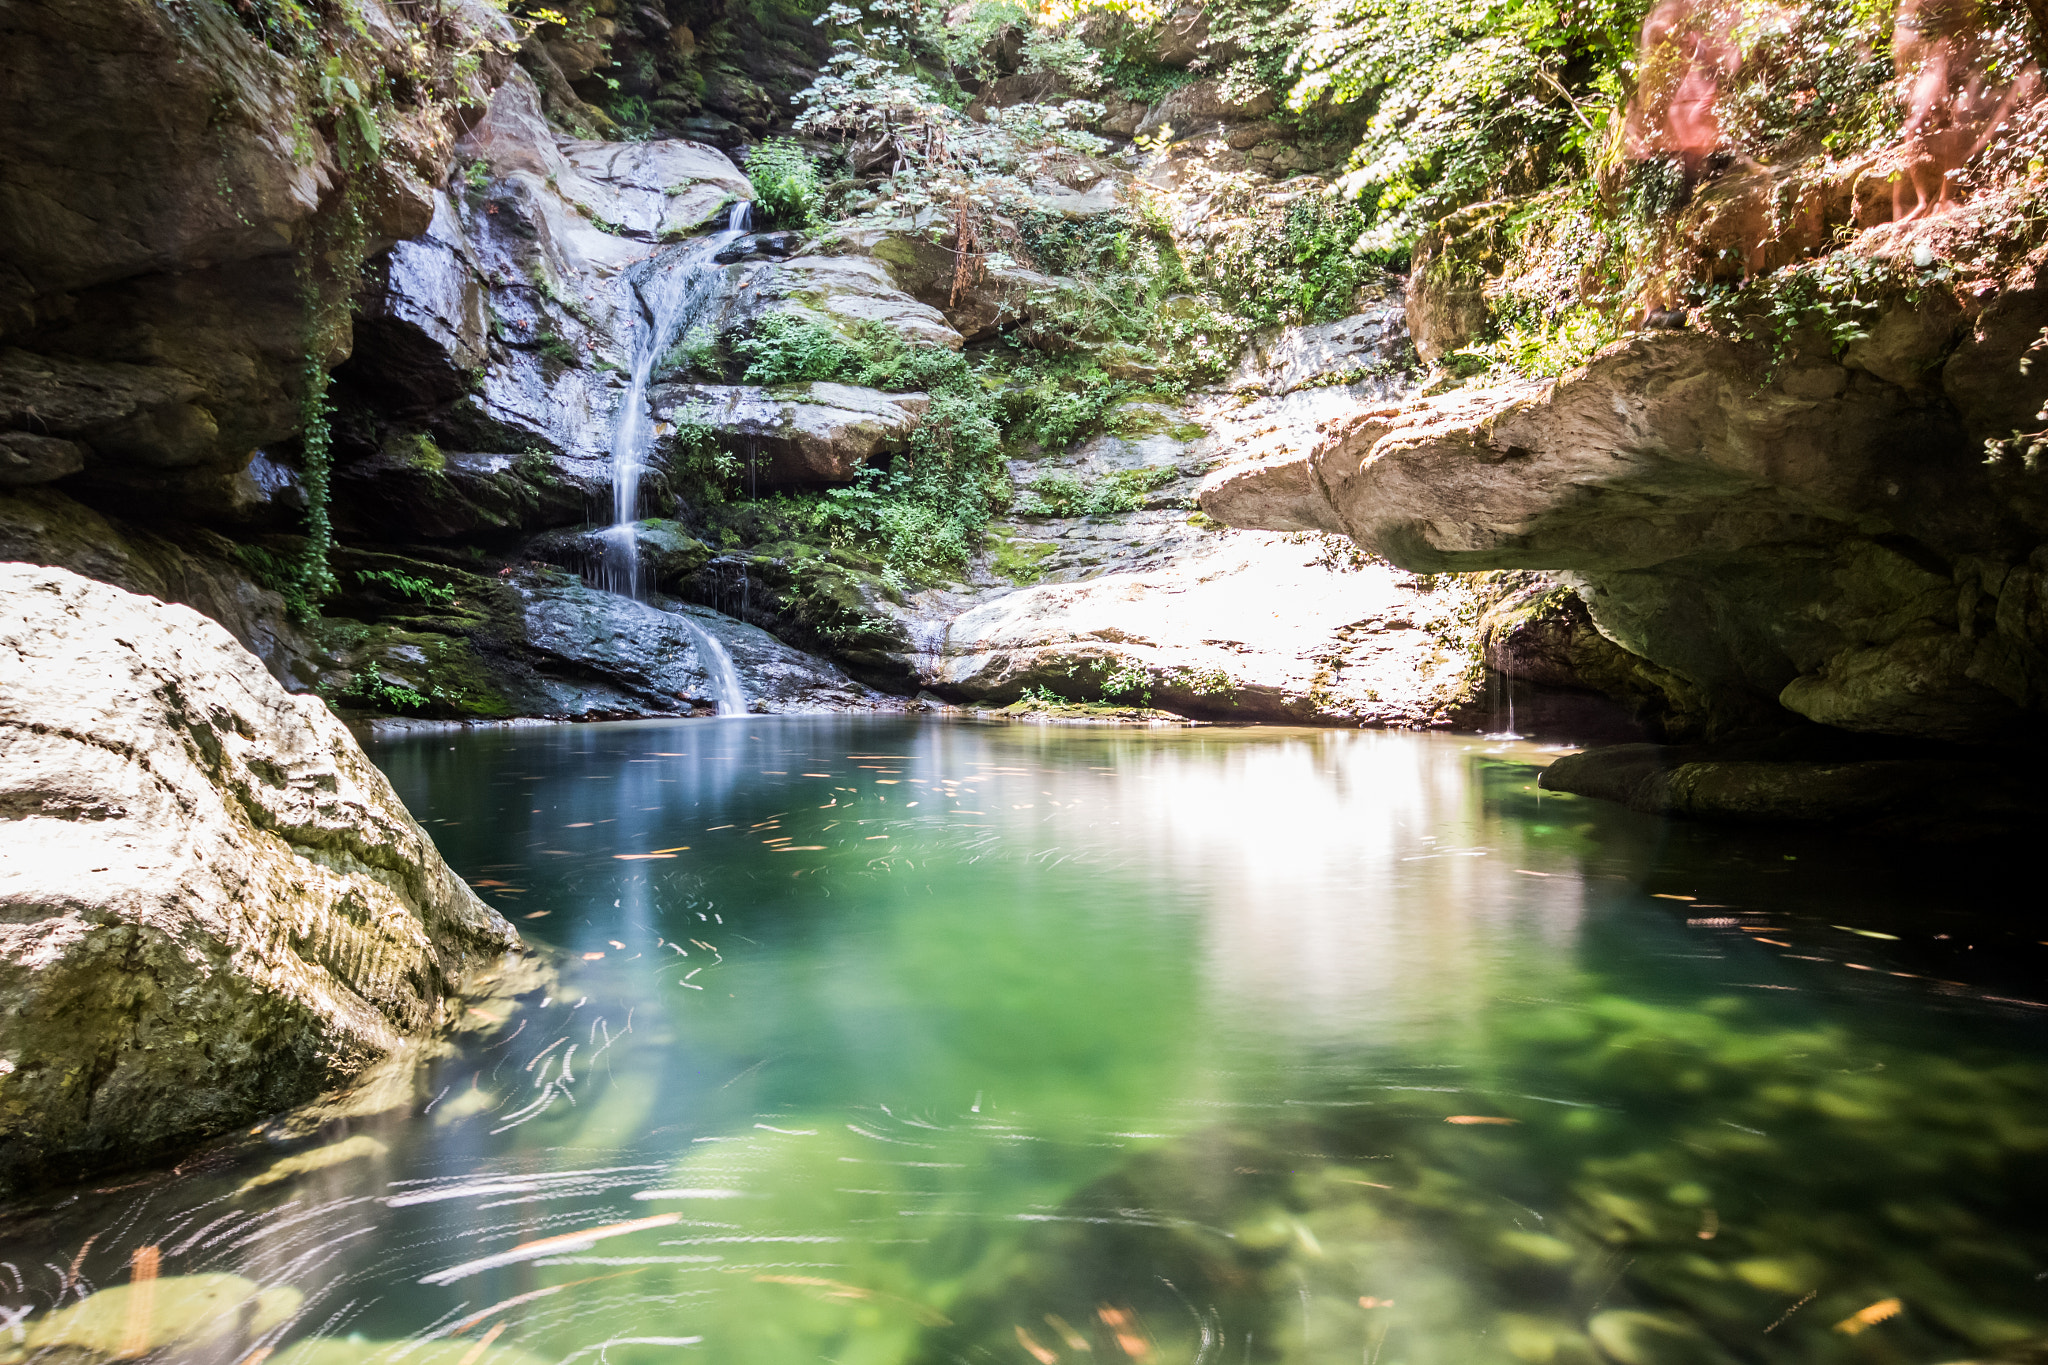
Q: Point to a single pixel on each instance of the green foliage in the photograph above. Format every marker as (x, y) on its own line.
(1467, 98)
(1022, 562)
(372, 690)
(1062, 495)
(635, 119)
(556, 348)
(407, 587)
(788, 348)
(1533, 344)
(965, 41)
(1834, 300)
(1055, 402)
(424, 452)
(1297, 262)
(280, 574)
(1135, 76)
(785, 181)
(535, 466)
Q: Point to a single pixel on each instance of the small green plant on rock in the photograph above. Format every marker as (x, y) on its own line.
(407, 587)
(785, 181)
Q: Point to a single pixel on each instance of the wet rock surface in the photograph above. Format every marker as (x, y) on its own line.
(216, 905)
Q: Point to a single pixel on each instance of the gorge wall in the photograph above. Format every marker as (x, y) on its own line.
(334, 336)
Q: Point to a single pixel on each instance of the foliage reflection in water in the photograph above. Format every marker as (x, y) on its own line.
(886, 1041)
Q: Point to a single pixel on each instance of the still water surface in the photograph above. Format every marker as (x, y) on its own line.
(898, 1041)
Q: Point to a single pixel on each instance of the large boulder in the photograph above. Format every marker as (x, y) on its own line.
(845, 293)
(1806, 535)
(215, 906)
(796, 435)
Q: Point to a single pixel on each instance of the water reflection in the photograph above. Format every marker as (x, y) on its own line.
(894, 1042)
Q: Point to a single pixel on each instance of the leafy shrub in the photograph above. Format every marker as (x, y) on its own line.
(406, 587)
(785, 182)
(1062, 495)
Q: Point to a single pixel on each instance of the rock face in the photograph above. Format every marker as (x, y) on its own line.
(215, 906)
(150, 309)
(1811, 542)
(797, 435)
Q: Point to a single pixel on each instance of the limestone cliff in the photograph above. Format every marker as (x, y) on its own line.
(1816, 537)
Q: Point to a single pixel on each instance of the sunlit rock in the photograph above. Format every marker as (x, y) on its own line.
(217, 906)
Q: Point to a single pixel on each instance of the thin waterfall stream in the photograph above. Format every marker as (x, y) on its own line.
(671, 294)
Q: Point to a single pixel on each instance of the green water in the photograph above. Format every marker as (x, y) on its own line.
(929, 1042)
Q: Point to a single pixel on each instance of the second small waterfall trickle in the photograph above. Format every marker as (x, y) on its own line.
(671, 292)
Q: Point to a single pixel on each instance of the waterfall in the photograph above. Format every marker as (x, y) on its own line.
(671, 293)
(725, 679)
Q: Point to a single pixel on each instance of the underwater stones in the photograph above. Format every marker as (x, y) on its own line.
(1632, 1338)
(355, 1351)
(215, 905)
(796, 435)
(183, 1312)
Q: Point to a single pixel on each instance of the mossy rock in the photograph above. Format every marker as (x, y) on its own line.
(1018, 560)
(129, 1320)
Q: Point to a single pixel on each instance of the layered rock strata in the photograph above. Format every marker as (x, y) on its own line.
(214, 905)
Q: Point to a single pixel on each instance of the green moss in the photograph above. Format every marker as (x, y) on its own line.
(1020, 561)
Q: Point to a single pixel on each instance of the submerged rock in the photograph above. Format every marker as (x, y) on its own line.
(216, 906)
(1798, 781)
(182, 1312)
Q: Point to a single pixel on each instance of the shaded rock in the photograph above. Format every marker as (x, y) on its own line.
(165, 280)
(605, 655)
(216, 905)
(1803, 782)
(26, 458)
(463, 495)
(197, 568)
(827, 603)
(1540, 632)
(1801, 544)
(797, 435)
(669, 555)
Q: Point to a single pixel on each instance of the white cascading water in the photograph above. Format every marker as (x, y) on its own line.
(671, 294)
